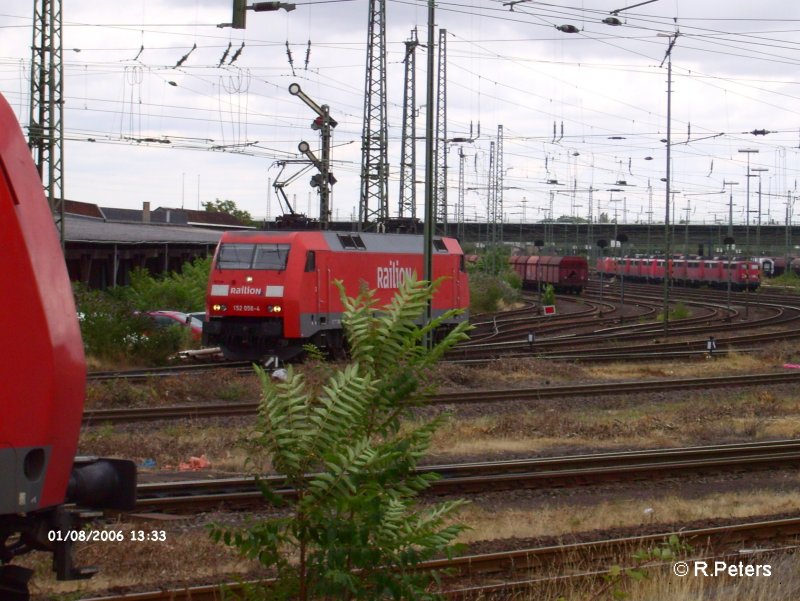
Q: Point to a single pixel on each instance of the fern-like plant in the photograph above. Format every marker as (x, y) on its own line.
(354, 530)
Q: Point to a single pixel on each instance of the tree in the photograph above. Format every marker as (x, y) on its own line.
(353, 531)
(184, 291)
(229, 207)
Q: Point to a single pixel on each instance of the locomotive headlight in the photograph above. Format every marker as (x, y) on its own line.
(219, 307)
(277, 309)
(249, 279)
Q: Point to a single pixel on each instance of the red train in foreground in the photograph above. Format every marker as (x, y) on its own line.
(269, 293)
(43, 376)
(565, 274)
(744, 275)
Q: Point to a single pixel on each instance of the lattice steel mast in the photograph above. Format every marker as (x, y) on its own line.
(374, 201)
(46, 129)
(441, 134)
(491, 205)
(407, 206)
(460, 205)
(498, 182)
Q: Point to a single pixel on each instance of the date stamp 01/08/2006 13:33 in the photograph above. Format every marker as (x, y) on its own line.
(85, 536)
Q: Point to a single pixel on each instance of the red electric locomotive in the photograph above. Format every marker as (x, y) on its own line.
(269, 293)
(565, 274)
(43, 381)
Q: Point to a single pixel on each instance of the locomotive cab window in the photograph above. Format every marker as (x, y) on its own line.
(272, 257)
(438, 244)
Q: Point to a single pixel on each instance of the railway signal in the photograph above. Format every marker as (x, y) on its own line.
(240, 8)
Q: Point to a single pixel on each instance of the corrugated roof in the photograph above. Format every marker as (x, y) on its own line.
(85, 230)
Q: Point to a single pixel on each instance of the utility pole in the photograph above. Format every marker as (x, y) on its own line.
(498, 181)
(667, 249)
(747, 151)
(729, 241)
(730, 207)
(491, 214)
(788, 234)
(373, 208)
(649, 214)
(430, 193)
(46, 117)
(759, 170)
(441, 134)
(460, 206)
(407, 206)
(688, 210)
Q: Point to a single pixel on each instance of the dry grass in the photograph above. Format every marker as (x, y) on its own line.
(651, 420)
(538, 372)
(488, 522)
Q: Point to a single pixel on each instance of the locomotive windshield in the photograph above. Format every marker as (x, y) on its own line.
(253, 256)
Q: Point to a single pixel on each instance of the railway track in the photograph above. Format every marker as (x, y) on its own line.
(135, 414)
(550, 472)
(596, 330)
(161, 372)
(512, 566)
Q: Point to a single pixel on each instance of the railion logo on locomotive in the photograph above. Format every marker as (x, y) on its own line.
(393, 276)
(226, 290)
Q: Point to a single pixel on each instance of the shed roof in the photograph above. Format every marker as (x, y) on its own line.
(93, 231)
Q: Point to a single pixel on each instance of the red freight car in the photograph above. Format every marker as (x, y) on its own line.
(269, 293)
(565, 274)
(43, 376)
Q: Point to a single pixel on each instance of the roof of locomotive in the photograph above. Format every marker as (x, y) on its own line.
(349, 241)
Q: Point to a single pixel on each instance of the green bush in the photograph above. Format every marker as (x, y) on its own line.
(355, 530)
(184, 291)
(513, 279)
(113, 331)
(486, 291)
(788, 278)
(549, 295)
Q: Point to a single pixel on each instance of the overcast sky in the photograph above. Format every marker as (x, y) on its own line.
(222, 126)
